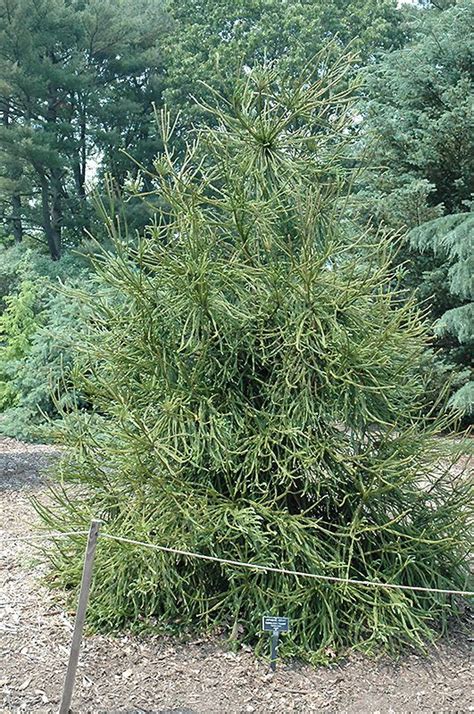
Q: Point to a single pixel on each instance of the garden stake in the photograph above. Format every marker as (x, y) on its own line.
(80, 617)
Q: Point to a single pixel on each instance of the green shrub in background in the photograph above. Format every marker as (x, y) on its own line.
(19, 321)
(255, 395)
(40, 327)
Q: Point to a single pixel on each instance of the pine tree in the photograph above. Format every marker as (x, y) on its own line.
(78, 84)
(256, 397)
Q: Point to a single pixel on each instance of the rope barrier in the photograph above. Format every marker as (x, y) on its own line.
(284, 571)
(94, 533)
(252, 566)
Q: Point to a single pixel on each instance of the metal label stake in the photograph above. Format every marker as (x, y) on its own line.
(275, 625)
(274, 650)
(80, 618)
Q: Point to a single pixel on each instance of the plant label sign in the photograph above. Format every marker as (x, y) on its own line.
(275, 624)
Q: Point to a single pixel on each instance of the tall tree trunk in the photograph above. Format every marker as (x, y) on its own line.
(56, 210)
(79, 181)
(49, 225)
(80, 164)
(15, 219)
(51, 188)
(83, 150)
(79, 167)
(17, 227)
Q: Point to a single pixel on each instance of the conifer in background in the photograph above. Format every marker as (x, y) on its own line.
(418, 113)
(451, 238)
(256, 397)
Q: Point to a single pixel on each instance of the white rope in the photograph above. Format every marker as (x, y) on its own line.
(284, 571)
(252, 566)
(43, 536)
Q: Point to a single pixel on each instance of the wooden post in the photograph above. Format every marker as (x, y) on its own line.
(80, 617)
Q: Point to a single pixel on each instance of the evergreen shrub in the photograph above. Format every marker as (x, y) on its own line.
(451, 240)
(256, 396)
(40, 324)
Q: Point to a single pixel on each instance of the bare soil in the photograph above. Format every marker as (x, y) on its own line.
(132, 674)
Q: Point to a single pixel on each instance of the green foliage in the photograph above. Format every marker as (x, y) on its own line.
(419, 107)
(463, 399)
(215, 40)
(418, 114)
(39, 328)
(76, 94)
(255, 395)
(450, 240)
(452, 237)
(78, 82)
(18, 323)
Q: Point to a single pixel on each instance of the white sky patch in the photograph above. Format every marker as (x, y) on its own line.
(92, 167)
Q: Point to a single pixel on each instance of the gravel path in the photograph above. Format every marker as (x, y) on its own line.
(129, 674)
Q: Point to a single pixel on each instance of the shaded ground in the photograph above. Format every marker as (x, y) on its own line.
(129, 674)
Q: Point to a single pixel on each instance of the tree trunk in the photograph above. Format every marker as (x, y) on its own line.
(49, 225)
(83, 152)
(79, 181)
(15, 220)
(80, 164)
(17, 227)
(56, 211)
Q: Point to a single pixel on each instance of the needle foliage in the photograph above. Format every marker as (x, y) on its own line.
(255, 396)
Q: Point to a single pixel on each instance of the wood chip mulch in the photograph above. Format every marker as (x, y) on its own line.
(152, 674)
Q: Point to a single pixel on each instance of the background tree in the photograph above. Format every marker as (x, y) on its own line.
(64, 66)
(216, 39)
(255, 396)
(450, 239)
(419, 110)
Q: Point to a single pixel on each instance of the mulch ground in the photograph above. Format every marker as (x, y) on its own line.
(132, 674)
